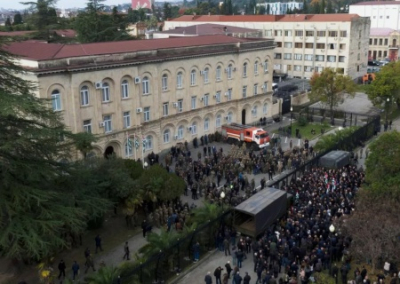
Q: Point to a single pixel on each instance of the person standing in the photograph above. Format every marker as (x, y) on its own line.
(89, 261)
(246, 279)
(61, 268)
(126, 250)
(238, 278)
(239, 256)
(97, 240)
(208, 278)
(227, 247)
(144, 227)
(217, 274)
(196, 251)
(75, 270)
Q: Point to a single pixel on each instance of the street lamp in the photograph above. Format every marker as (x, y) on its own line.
(291, 119)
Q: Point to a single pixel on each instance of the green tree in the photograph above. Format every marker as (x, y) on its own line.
(17, 19)
(331, 88)
(167, 11)
(152, 23)
(84, 142)
(8, 24)
(159, 242)
(329, 8)
(261, 10)
(322, 7)
(36, 211)
(383, 166)
(268, 10)
(133, 16)
(315, 6)
(208, 212)
(384, 91)
(105, 275)
(305, 7)
(329, 141)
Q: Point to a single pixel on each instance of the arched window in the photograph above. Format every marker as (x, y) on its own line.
(218, 73)
(194, 128)
(164, 82)
(206, 124)
(84, 96)
(193, 77)
(265, 66)
(256, 67)
(124, 89)
(145, 85)
(149, 142)
(265, 108)
(179, 80)
(56, 100)
(254, 111)
(245, 69)
(166, 135)
(230, 117)
(128, 148)
(218, 121)
(229, 71)
(180, 132)
(105, 92)
(205, 75)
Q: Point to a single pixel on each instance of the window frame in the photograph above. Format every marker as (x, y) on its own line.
(87, 125)
(166, 136)
(124, 89)
(146, 114)
(105, 93)
(165, 108)
(193, 77)
(179, 80)
(256, 67)
(244, 70)
(206, 124)
(205, 75)
(164, 82)
(126, 119)
(56, 100)
(107, 120)
(145, 86)
(84, 91)
(218, 73)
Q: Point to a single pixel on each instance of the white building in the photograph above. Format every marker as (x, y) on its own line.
(383, 14)
(280, 8)
(304, 43)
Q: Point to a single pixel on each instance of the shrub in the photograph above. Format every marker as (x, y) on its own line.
(302, 121)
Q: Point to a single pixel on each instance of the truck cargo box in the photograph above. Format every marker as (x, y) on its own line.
(335, 159)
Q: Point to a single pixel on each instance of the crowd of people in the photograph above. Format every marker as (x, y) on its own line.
(305, 241)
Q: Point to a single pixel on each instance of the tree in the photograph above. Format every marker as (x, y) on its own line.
(305, 7)
(329, 8)
(261, 11)
(322, 7)
(36, 211)
(167, 11)
(329, 141)
(268, 9)
(105, 275)
(383, 166)
(17, 19)
(152, 23)
(385, 89)
(208, 212)
(331, 88)
(8, 24)
(159, 242)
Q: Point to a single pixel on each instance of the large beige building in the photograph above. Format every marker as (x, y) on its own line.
(305, 43)
(163, 91)
(384, 44)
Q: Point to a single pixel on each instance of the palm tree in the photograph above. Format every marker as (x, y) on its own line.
(105, 275)
(208, 212)
(159, 242)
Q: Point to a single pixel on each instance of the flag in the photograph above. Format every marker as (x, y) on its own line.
(144, 142)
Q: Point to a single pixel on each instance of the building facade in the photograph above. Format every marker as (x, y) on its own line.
(281, 8)
(383, 14)
(304, 43)
(384, 44)
(161, 91)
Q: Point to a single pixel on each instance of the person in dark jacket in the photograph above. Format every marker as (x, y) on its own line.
(246, 279)
(238, 278)
(208, 278)
(239, 256)
(75, 270)
(61, 268)
(228, 269)
(217, 274)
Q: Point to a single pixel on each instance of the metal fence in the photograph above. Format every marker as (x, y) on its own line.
(166, 264)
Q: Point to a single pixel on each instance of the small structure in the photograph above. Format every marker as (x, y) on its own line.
(254, 215)
(335, 159)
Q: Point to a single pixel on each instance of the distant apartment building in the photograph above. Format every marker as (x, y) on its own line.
(160, 91)
(304, 43)
(384, 44)
(281, 8)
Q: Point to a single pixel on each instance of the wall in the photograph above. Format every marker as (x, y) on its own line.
(382, 16)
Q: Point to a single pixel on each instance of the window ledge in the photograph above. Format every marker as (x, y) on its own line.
(85, 106)
(108, 102)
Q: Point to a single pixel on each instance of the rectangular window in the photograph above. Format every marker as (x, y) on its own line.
(218, 73)
(298, 33)
(309, 33)
(84, 96)
(385, 54)
(320, 45)
(193, 102)
(255, 92)
(321, 33)
(288, 45)
(297, 56)
(268, 33)
(375, 41)
(370, 41)
(244, 92)
(288, 33)
(165, 109)
(107, 123)
(380, 41)
(180, 105)
(289, 68)
(342, 46)
(298, 45)
(146, 114)
(206, 99)
(256, 68)
(297, 67)
(193, 78)
(127, 119)
(386, 41)
(265, 87)
(164, 82)
(218, 97)
(277, 55)
(343, 33)
(331, 58)
(332, 46)
(106, 93)
(245, 70)
(229, 94)
(319, 69)
(205, 76)
(332, 33)
(278, 32)
(87, 126)
(179, 80)
(308, 57)
(309, 45)
(278, 44)
(287, 56)
(124, 89)
(319, 57)
(229, 71)
(342, 59)
(307, 68)
(56, 101)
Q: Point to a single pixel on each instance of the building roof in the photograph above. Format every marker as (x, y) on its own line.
(208, 29)
(372, 3)
(381, 31)
(64, 33)
(269, 18)
(260, 200)
(47, 51)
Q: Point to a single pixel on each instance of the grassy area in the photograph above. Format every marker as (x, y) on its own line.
(305, 131)
(362, 88)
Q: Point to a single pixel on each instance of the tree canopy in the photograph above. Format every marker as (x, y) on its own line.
(331, 88)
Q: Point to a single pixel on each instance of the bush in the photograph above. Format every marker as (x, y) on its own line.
(302, 121)
(218, 136)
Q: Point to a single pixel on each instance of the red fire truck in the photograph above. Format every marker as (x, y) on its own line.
(254, 137)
